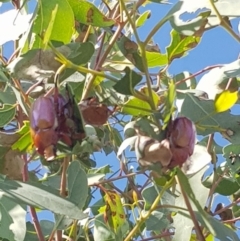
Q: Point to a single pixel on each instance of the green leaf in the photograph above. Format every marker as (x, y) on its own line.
(150, 194)
(77, 184)
(170, 96)
(94, 178)
(142, 18)
(20, 100)
(7, 113)
(227, 186)
(155, 59)
(231, 153)
(130, 50)
(190, 27)
(102, 232)
(13, 220)
(3, 77)
(25, 140)
(157, 222)
(186, 85)
(101, 170)
(62, 28)
(46, 227)
(127, 83)
(7, 97)
(207, 121)
(45, 64)
(144, 126)
(48, 32)
(180, 45)
(225, 100)
(136, 107)
(39, 196)
(116, 137)
(87, 13)
(225, 8)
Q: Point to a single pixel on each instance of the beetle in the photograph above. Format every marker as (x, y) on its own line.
(43, 122)
(53, 118)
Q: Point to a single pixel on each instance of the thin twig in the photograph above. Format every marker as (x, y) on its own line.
(158, 236)
(63, 185)
(226, 207)
(223, 22)
(114, 179)
(32, 210)
(198, 73)
(198, 230)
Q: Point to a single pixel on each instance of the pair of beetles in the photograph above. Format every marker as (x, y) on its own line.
(59, 118)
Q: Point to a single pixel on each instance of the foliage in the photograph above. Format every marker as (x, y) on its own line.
(106, 88)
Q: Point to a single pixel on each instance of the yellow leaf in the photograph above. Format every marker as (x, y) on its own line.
(210, 237)
(225, 100)
(114, 213)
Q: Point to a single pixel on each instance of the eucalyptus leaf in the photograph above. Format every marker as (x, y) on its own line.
(87, 13)
(39, 196)
(180, 45)
(7, 113)
(216, 80)
(77, 184)
(126, 84)
(12, 218)
(62, 28)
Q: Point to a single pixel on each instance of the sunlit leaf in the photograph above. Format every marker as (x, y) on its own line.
(48, 32)
(12, 217)
(217, 79)
(62, 28)
(87, 13)
(155, 96)
(136, 107)
(170, 95)
(155, 59)
(127, 142)
(25, 140)
(142, 18)
(225, 100)
(114, 213)
(180, 45)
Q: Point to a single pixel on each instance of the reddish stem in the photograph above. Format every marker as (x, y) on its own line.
(199, 72)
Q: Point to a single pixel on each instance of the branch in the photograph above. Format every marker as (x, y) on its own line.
(190, 210)
(223, 22)
(142, 218)
(198, 73)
